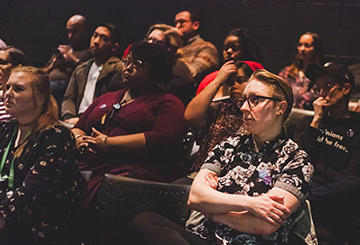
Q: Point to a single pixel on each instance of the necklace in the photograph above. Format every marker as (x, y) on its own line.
(106, 118)
(126, 99)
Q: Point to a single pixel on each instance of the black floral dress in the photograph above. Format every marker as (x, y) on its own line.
(47, 187)
(243, 171)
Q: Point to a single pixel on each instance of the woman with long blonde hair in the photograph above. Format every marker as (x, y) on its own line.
(41, 184)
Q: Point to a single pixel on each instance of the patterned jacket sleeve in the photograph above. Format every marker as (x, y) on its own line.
(45, 176)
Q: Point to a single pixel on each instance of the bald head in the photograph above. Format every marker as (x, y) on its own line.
(77, 28)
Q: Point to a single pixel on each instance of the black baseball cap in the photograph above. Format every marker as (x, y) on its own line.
(339, 71)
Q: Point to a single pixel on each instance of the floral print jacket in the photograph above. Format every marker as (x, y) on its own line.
(48, 185)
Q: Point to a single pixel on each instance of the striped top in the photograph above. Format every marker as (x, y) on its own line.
(3, 114)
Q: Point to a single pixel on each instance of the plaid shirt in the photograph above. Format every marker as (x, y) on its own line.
(200, 57)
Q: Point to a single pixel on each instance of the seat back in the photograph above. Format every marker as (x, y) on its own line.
(86, 175)
(293, 119)
(121, 199)
(188, 141)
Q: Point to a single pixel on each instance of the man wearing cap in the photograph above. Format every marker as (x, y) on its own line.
(332, 140)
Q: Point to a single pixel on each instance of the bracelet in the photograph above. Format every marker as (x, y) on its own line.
(78, 136)
(105, 141)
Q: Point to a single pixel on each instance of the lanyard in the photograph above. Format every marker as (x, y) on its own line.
(3, 160)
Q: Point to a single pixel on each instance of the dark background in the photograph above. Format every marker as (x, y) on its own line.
(37, 26)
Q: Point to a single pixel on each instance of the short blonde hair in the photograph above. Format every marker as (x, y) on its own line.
(172, 37)
(280, 88)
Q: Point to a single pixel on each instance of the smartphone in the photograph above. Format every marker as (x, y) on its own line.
(57, 53)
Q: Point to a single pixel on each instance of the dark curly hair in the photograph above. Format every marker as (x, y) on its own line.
(159, 58)
(250, 48)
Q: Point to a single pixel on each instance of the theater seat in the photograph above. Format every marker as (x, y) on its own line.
(294, 117)
(120, 199)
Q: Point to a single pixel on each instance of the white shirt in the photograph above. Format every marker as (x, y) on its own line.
(90, 87)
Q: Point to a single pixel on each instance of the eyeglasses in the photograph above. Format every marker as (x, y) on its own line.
(253, 100)
(327, 89)
(181, 22)
(4, 62)
(137, 64)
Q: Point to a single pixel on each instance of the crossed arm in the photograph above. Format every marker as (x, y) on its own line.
(256, 215)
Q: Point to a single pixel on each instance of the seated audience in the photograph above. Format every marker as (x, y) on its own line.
(332, 139)
(10, 58)
(94, 77)
(199, 55)
(309, 51)
(41, 185)
(252, 187)
(138, 131)
(238, 45)
(67, 57)
(216, 120)
(182, 83)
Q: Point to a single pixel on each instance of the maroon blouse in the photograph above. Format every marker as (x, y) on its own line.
(160, 116)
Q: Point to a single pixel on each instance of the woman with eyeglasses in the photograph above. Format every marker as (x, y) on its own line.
(135, 132)
(238, 45)
(10, 58)
(216, 120)
(309, 50)
(182, 84)
(253, 186)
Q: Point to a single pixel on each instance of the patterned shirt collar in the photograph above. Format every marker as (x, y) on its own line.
(269, 146)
